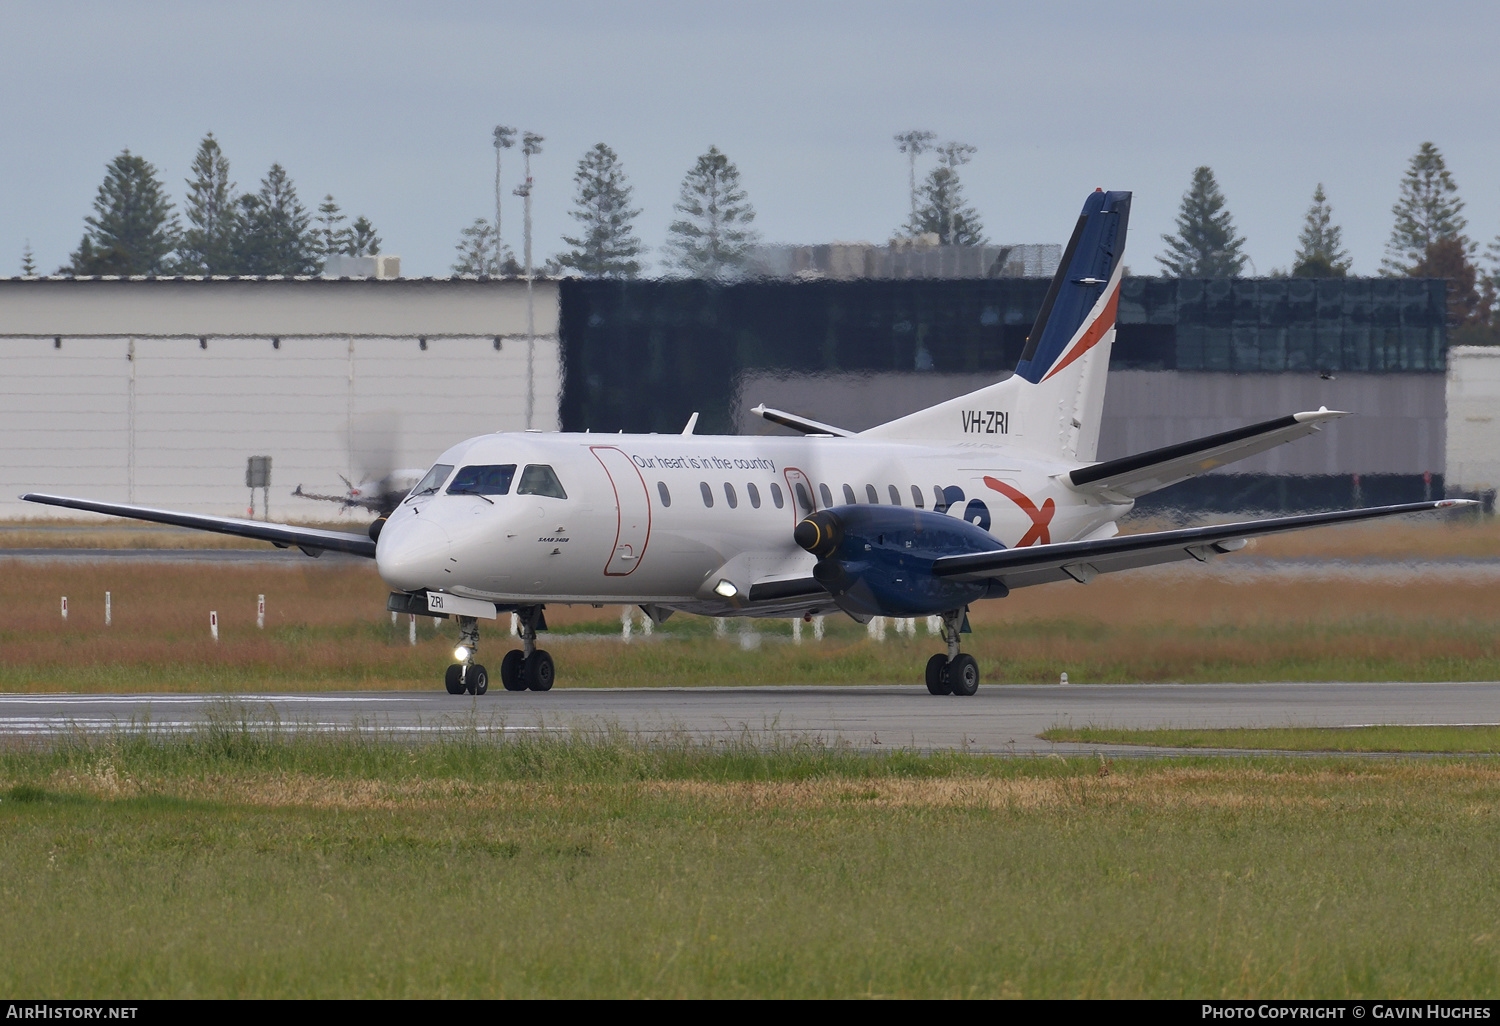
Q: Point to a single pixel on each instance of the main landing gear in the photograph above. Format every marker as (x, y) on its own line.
(528, 669)
(953, 673)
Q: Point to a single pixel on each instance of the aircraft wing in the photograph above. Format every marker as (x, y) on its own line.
(1082, 561)
(804, 424)
(310, 540)
(1134, 476)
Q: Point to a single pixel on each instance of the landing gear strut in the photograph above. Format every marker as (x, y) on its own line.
(467, 676)
(953, 673)
(531, 667)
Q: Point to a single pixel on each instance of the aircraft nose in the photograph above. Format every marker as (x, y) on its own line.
(412, 554)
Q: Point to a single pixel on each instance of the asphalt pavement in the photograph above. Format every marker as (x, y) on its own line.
(1000, 718)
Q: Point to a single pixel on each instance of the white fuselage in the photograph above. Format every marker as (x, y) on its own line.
(663, 519)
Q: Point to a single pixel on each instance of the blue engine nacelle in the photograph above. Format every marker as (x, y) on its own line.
(877, 560)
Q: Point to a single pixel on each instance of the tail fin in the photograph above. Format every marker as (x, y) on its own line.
(1054, 402)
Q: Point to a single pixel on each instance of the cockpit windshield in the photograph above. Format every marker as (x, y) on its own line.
(483, 480)
(434, 479)
(540, 479)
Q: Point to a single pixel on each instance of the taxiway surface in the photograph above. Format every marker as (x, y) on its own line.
(998, 719)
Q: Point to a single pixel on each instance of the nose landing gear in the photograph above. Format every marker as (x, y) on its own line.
(467, 676)
(953, 673)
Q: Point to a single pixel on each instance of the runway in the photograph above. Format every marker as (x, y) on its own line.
(999, 719)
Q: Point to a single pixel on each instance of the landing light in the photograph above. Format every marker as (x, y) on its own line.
(726, 589)
(461, 653)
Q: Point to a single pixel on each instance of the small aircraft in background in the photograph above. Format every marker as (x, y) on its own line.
(970, 499)
(379, 496)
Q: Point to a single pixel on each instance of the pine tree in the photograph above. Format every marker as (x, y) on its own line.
(1206, 244)
(1429, 209)
(133, 229)
(332, 238)
(277, 237)
(207, 246)
(476, 251)
(711, 238)
(1449, 258)
(942, 211)
(1320, 252)
(28, 261)
(607, 246)
(362, 239)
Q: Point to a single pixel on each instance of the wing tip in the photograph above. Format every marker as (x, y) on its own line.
(1319, 415)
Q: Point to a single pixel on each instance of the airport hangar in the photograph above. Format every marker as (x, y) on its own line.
(158, 390)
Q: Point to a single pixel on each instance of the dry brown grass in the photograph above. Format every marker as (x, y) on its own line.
(327, 629)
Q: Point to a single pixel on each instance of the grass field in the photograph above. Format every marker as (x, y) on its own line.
(1466, 740)
(326, 629)
(239, 864)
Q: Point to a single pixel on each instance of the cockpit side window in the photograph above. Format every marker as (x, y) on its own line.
(434, 479)
(540, 479)
(493, 480)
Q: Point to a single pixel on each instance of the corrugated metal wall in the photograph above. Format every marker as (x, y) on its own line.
(320, 407)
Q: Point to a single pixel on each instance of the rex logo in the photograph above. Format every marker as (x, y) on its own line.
(1041, 519)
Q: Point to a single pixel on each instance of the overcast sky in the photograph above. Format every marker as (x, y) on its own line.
(390, 107)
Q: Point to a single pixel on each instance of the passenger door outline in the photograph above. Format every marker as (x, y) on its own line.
(632, 510)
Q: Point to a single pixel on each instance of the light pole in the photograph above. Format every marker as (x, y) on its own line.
(914, 143)
(505, 138)
(531, 143)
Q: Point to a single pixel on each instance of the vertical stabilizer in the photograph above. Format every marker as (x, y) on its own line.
(1054, 402)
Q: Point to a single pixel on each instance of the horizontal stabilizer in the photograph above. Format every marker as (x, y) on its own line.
(1084, 560)
(796, 423)
(1134, 476)
(310, 540)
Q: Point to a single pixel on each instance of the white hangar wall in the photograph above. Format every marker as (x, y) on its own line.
(168, 415)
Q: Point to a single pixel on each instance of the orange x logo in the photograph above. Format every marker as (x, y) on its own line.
(1040, 518)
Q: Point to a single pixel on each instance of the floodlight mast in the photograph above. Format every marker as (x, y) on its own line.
(531, 143)
(914, 143)
(505, 138)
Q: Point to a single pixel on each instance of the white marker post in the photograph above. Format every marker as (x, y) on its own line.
(65, 607)
(797, 629)
(515, 625)
(260, 611)
(817, 628)
(646, 623)
(625, 624)
(106, 609)
(413, 628)
(213, 624)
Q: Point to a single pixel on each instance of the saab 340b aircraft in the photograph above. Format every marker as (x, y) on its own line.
(966, 500)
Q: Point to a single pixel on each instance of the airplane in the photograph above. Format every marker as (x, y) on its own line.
(924, 515)
(378, 495)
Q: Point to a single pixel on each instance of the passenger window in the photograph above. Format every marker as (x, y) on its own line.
(916, 496)
(754, 494)
(729, 495)
(483, 480)
(708, 494)
(776, 495)
(895, 495)
(540, 479)
(849, 495)
(666, 496)
(434, 479)
(803, 497)
(872, 495)
(827, 495)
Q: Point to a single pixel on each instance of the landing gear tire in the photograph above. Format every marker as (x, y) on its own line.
(478, 679)
(963, 675)
(537, 671)
(454, 679)
(937, 675)
(510, 670)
